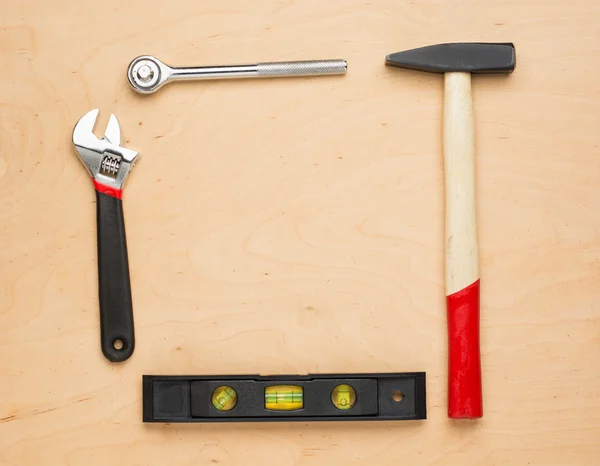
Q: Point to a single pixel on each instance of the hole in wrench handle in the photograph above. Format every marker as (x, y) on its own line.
(114, 287)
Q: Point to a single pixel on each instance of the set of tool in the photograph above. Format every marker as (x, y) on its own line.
(316, 397)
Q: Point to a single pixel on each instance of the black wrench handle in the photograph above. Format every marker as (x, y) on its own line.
(114, 287)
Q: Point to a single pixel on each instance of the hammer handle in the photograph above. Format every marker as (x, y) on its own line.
(462, 261)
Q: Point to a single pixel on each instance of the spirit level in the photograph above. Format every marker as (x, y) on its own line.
(323, 397)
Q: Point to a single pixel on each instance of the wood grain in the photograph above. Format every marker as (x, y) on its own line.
(294, 226)
(460, 229)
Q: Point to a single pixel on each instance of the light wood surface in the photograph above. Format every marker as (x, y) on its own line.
(460, 229)
(296, 226)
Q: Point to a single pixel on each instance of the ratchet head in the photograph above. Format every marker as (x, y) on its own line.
(108, 163)
(147, 74)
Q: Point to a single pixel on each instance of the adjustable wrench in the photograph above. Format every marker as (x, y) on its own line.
(109, 165)
(147, 74)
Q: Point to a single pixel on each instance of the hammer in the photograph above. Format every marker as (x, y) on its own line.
(457, 61)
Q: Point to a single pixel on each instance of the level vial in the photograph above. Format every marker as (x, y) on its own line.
(343, 397)
(224, 398)
(284, 397)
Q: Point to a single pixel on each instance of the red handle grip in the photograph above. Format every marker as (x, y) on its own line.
(113, 192)
(464, 364)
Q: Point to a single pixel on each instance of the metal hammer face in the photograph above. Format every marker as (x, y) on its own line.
(457, 57)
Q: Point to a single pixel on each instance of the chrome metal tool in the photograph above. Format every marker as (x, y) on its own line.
(109, 165)
(148, 74)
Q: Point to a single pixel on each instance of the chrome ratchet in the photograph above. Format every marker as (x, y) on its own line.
(148, 74)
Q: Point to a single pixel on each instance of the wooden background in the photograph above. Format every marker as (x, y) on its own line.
(295, 226)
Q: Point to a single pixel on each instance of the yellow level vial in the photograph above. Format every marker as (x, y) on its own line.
(343, 397)
(284, 397)
(224, 398)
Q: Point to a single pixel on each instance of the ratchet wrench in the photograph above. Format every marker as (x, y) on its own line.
(147, 74)
(109, 165)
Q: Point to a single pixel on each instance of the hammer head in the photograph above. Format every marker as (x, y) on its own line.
(468, 57)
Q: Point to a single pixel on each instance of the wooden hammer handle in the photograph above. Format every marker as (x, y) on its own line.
(462, 261)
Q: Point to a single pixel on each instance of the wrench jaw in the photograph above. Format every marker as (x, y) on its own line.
(107, 163)
(147, 74)
(113, 131)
